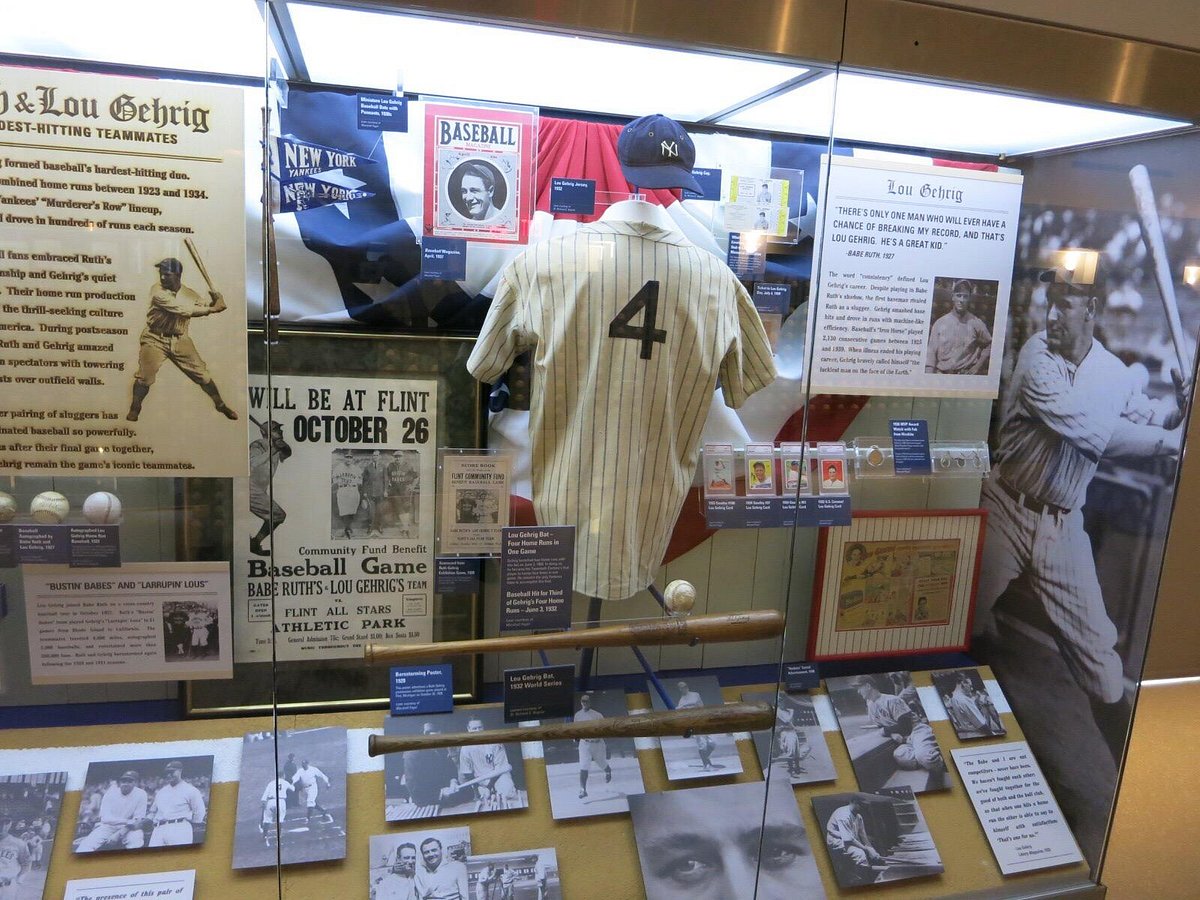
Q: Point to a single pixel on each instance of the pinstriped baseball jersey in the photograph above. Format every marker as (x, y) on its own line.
(630, 328)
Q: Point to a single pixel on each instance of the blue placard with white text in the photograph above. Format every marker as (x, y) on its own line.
(537, 566)
(573, 195)
(421, 689)
(547, 692)
(772, 298)
(823, 512)
(910, 446)
(456, 574)
(378, 113)
(710, 185)
(744, 262)
(800, 676)
(444, 258)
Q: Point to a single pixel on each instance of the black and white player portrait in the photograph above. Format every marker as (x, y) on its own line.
(291, 799)
(516, 875)
(704, 755)
(267, 451)
(876, 836)
(190, 631)
(477, 190)
(374, 493)
(144, 803)
(795, 749)
(709, 843)
(30, 807)
(451, 781)
(593, 776)
(476, 506)
(887, 732)
(969, 706)
(962, 319)
(396, 861)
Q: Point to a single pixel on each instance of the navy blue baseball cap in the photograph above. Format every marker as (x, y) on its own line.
(656, 152)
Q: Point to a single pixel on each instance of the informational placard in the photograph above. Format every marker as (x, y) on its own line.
(165, 885)
(745, 255)
(456, 574)
(547, 692)
(710, 184)
(377, 112)
(122, 276)
(915, 267)
(1019, 814)
(421, 689)
(333, 531)
(444, 258)
(536, 568)
(910, 446)
(801, 676)
(165, 621)
(85, 546)
(573, 195)
(475, 493)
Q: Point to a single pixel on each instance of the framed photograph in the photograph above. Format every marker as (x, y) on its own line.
(896, 583)
(873, 838)
(969, 706)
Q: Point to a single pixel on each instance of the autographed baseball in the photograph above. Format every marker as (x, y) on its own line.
(102, 508)
(49, 508)
(680, 597)
(8, 507)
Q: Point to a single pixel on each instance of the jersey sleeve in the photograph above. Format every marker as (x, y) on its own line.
(748, 365)
(505, 332)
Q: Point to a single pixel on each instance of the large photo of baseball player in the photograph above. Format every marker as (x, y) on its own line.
(593, 777)
(30, 807)
(144, 803)
(437, 855)
(704, 755)
(795, 748)
(515, 875)
(291, 798)
(452, 781)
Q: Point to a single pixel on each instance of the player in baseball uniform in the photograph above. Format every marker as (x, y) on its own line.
(165, 337)
(401, 882)
(33, 841)
(541, 877)
(274, 806)
(959, 342)
(849, 846)
(198, 623)
(508, 882)
(177, 806)
(439, 878)
(266, 453)
(403, 476)
(347, 477)
(591, 750)
(14, 860)
(630, 327)
(306, 779)
(705, 745)
(122, 809)
(483, 760)
(916, 745)
(792, 747)
(1069, 403)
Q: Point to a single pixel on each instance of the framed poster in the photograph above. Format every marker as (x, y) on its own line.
(895, 583)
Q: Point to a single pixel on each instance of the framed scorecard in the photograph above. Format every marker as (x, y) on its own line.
(896, 583)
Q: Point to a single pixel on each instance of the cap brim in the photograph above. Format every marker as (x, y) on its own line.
(660, 177)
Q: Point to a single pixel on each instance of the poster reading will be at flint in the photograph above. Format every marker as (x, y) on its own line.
(333, 531)
(106, 366)
(915, 266)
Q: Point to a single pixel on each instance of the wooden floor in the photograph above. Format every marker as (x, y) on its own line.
(1154, 851)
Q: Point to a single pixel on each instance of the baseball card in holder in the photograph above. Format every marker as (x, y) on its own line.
(479, 172)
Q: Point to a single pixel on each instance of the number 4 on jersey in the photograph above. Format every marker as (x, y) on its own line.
(647, 299)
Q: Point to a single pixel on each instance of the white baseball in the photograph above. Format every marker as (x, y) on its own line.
(8, 507)
(102, 508)
(680, 596)
(49, 508)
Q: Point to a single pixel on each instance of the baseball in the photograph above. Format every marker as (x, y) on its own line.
(8, 507)
(680, 597)
(49, 508)
(102, 508)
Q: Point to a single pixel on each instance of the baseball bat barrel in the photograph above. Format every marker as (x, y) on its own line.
(745, 626)
(191, 248)
(668, 723)
(1143, 194)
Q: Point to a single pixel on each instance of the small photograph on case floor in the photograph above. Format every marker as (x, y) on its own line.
(968, 704)
(887, 732)
(394, 861)
(876, 837)
(30, 807)
(796, 749)
(452, 781)
(708, 843)
(296, 800)
(515, 875)
(593, 777)
(704, 755)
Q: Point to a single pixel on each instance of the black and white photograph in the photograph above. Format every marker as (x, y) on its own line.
(515, 875)
(144, 803)
(887, 732)
(876, 837)
(795, 748)
(452, 781)
(593, 776)
(476, 506)
(30, 807)
(190, 631)
(704, 844)
(477, 190)
(961, 321)
(704, 755)
(291, 799)
(396, 859)
(968, 704)
(374, 493)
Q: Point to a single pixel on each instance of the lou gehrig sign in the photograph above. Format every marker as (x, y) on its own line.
(341, 490)
(122, 276)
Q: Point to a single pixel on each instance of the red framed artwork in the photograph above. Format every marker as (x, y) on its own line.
(896, 583)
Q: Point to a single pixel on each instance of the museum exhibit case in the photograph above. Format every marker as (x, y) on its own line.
(773, 411)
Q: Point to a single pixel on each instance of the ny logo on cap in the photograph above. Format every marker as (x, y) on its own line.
(669, 149)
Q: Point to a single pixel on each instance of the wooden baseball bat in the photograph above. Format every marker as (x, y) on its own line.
(746, 626)
(669, 723)
(191, 248)
(1143, 195)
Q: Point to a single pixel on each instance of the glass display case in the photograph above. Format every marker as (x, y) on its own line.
(775, 413)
